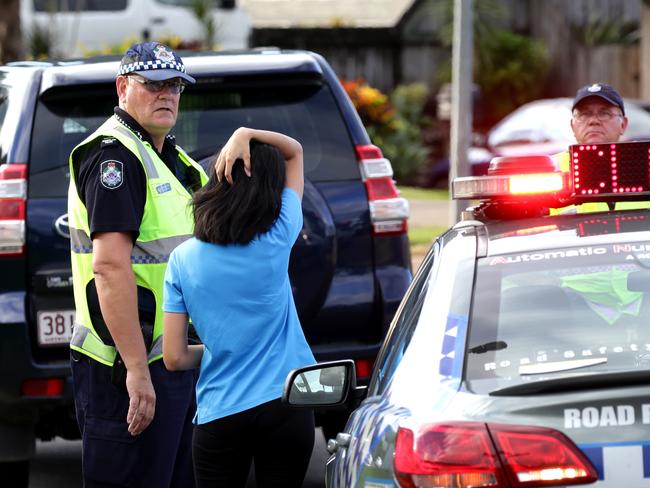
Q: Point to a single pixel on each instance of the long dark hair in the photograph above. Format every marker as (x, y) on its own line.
(237, 213)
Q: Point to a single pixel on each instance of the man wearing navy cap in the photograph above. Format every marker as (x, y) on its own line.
(598, 114)
(130, 187)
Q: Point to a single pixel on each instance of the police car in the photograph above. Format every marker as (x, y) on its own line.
(520, 356)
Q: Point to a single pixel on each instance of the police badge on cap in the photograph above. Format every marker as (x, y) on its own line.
(153, 61)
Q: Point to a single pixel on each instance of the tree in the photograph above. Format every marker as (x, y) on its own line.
(509, 68)
(203, 11)
(11, 46)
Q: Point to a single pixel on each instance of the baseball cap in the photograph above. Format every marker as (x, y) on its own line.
(602, 90)
(153, 61)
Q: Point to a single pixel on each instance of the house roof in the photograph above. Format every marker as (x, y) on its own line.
(325, 13)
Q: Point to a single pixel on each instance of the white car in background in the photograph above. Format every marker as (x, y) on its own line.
(77, 26)
(540, 127)
(543, 127)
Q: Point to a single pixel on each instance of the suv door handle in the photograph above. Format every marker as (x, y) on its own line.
(342, 440)
(157, 20)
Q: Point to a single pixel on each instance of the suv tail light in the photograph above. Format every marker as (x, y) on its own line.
(42, 387)
(388, 211)
(474, 454)
(13, 197)
(363, 367)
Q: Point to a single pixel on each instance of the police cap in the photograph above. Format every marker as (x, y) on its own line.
(153, 61)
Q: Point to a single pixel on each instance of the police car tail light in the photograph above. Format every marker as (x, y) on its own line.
(450, 455)
(536, 456)
(475, 454)
(388, 211)
(13, 195)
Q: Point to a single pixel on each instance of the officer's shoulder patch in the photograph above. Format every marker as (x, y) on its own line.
(111, 174)
(108, 141)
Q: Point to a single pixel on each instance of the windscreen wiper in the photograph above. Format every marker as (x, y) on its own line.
(575, 382)
(557, 366)
(488, 346)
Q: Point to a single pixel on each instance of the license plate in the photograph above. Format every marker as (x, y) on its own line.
(54, 327)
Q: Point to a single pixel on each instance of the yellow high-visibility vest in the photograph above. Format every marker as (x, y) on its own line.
(167, 221)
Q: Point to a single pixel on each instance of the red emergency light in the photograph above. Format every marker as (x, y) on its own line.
(613, 224)
(601, 170)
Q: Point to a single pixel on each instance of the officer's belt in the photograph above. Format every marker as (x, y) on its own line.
(83, 338)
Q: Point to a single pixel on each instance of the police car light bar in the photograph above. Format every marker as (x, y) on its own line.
(512, 176)
(610, 170)
(481, 187)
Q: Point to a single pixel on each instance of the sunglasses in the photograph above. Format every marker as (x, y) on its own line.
(175, 86)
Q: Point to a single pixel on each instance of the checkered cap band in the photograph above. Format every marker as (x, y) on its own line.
(150, 65)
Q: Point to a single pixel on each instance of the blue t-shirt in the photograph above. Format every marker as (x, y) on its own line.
(239, 299)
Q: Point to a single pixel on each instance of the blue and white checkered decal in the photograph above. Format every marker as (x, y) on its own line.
(453, 343)
(620, 464)
(151, 65)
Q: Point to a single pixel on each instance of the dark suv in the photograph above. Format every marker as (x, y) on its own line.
(350, 266)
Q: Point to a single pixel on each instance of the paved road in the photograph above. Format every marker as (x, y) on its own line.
(427, 213)
(58, 465)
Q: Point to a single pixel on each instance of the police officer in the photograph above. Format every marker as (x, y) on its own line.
(599, 117)
(128, 208)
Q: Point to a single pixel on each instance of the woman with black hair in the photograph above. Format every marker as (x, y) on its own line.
(232, 280)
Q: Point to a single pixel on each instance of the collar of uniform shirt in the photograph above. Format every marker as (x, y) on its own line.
(130, 123)
(168, 154)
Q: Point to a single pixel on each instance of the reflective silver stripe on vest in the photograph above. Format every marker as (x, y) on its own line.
(144, 154)
(149, 252)
(84, 339)
(156, 348)
(156, 251)
(80, 242)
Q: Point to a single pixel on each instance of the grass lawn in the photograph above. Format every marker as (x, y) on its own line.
(421, 237)
(424, 236)
(414, 193)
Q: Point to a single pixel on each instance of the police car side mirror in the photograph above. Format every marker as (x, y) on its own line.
(320, 385)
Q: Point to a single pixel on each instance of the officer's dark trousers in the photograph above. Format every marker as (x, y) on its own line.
(160, 457)
(279, 439)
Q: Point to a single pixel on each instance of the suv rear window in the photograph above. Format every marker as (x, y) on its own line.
(209, 113)
(560, 312)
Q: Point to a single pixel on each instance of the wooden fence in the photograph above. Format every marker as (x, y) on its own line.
(390, 56)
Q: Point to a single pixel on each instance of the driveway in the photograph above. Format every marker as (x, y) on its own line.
(426, 213)
(429, 213)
